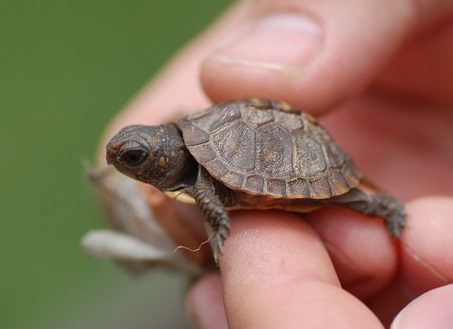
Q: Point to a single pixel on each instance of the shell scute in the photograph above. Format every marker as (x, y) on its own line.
(226, 115)
(254, 183)
(309, 155)
(235, 144)
(273, 151)
(319, 188)
(205, 152)
(299, 186)
(276, 187)
(193, 135)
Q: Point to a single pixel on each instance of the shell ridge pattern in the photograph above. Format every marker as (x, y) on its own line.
(266, 150)
(235, 144)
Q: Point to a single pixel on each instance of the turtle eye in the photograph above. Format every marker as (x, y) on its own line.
(132, 157)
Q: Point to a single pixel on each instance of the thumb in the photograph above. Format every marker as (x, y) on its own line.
(312, 54)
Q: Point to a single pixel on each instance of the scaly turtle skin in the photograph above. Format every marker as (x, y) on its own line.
(252, 154)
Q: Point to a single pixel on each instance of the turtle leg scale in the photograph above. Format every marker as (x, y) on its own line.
(213, 211)
(380, 205)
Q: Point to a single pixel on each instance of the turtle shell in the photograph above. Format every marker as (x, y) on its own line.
(267, 148)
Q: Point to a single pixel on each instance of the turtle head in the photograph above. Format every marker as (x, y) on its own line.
(151, 154)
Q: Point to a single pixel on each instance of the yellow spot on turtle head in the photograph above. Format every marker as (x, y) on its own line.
(162, 162)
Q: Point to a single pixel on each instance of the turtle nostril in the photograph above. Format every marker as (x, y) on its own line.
(112, 151)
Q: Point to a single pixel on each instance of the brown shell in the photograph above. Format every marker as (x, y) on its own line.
(267, 148)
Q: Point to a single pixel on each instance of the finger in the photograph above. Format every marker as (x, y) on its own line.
(312, 54)
(426, 261)
(362, 270)
(431, 310)
(205, 303)
(362, 252)
(276, 273)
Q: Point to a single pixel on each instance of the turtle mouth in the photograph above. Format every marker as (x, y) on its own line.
(109, 159)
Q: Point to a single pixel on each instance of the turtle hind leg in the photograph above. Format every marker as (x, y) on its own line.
(392, 211)
(213, 211)
(380, 205)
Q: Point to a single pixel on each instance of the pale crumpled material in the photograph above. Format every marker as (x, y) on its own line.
(144, 228)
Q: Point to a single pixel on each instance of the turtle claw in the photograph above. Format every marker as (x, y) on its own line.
(395, 227)
(396, 221)
(217, 249)
(218, 241)
(393, 213)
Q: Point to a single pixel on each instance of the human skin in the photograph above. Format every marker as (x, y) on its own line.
(379, 76)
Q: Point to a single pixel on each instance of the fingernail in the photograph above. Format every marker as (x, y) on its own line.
(275, 41)
(431, 310)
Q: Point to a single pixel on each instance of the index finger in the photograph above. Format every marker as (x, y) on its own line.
(276, 273)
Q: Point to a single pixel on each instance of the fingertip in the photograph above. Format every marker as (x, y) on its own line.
(431, 310)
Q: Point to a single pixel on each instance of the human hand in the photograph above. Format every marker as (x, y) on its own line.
(384, 72)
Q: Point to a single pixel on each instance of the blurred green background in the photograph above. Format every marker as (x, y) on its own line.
(65, 68)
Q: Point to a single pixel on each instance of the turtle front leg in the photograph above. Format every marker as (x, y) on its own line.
(380, 205)
(213, 211)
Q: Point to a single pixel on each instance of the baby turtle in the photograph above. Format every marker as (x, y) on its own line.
(252, 154)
